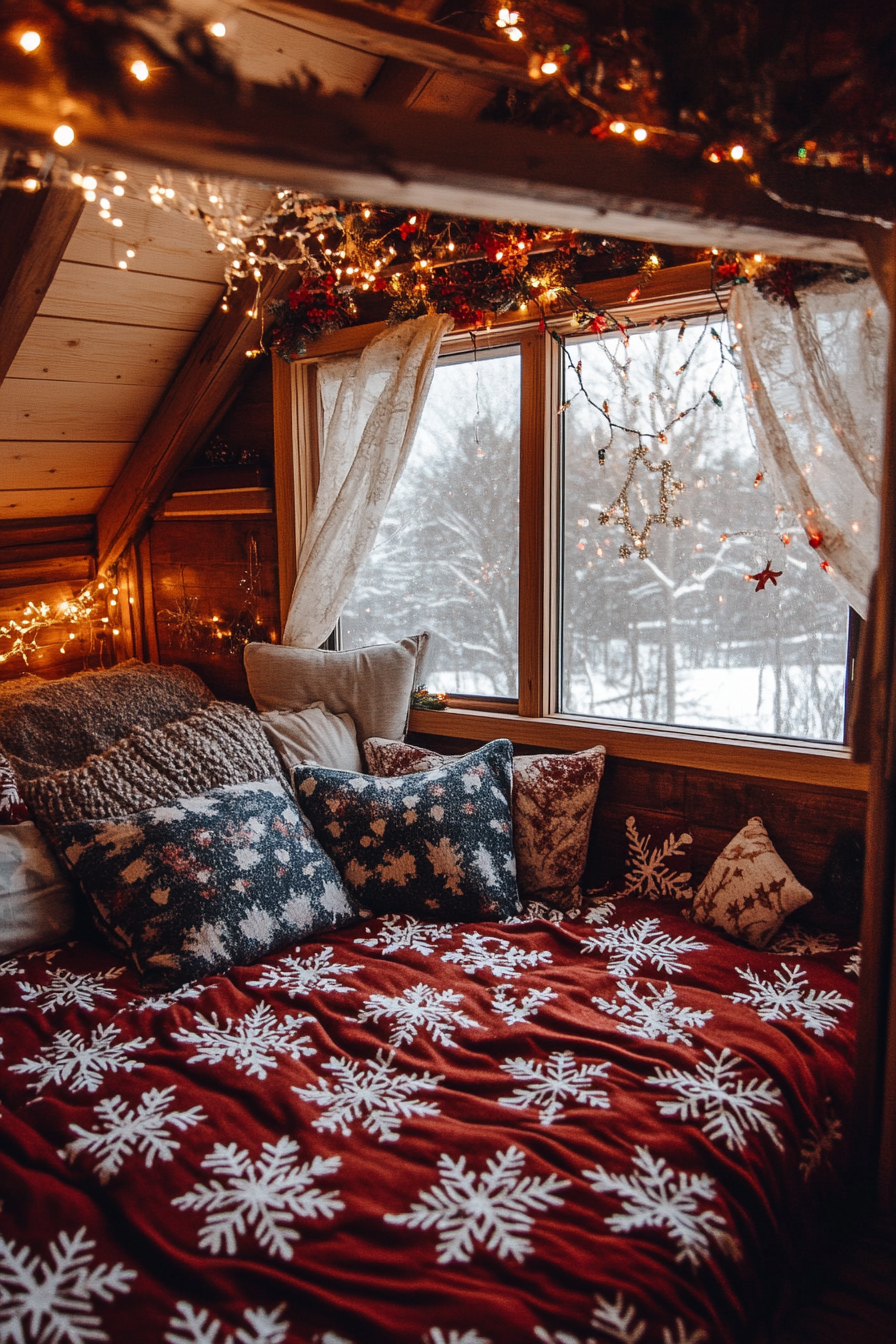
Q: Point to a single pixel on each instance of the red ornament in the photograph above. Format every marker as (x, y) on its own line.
(816, 540)
(767, 575)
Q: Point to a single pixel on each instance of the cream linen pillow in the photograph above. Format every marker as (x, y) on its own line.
(313, 736)
(37, 905)
(749, 891)
(372, 684)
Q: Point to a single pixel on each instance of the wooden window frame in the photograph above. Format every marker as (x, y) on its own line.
(535, 719)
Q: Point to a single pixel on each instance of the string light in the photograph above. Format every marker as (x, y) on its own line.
(31, 184)
(29, 41)
(639, 134)
(737, 152)
(63, 135)
(617, 127)
(140, 70)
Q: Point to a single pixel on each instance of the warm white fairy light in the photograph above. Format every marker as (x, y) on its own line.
(29, 41)
(63, 135)
(140, 70)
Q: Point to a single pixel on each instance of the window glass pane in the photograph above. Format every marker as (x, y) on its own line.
(446, 557)
(680, 637)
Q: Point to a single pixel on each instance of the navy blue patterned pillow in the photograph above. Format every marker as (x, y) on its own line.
(438, 844)
(204, 883)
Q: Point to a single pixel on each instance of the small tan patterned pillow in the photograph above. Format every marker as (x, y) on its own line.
(553, 803)
(749, 891)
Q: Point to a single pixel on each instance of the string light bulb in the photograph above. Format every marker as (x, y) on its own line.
(737, 152)
(29, 41)
(31, 184)
(63, 135)
(140, 70)
(549, 67)
(617, 127)
(640, 134)
(217, 29)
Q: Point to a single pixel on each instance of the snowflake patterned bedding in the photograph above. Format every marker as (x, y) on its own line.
(616, 1126)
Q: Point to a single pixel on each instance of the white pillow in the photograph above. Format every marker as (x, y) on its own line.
(313, 736)
(37, 905)
(372, 684)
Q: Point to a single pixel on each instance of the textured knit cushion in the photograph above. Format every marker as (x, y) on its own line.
(223, 744)
(373, 685)
(553, 804)
(749, 891)
(439, 846)
(12, 809)
(312, 734)
(56, 725)
(37, 901)
(206, 882)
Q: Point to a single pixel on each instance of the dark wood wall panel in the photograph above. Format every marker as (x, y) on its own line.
(206, 560)
(817, 831)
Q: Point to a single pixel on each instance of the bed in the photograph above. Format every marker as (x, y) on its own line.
(605, 1125)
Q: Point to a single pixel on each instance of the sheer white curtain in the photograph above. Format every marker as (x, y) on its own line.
(372, 404)
(815, 382)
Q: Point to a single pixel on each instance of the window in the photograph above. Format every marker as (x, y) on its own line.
(493, 540)
(677, 636)
(446, 557)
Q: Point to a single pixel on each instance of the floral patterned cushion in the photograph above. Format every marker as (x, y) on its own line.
(12, 809)
(749, 891)
(203, 883)
(439, 846)
(553, 804)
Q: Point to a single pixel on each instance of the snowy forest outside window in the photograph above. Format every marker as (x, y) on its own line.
(680, 637)
(677, 638)
(446, 557)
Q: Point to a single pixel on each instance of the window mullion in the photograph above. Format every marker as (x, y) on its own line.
(538, 598)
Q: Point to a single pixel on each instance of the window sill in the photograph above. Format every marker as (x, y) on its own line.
(756, 757)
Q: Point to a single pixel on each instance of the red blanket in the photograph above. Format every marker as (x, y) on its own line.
(611, 1128)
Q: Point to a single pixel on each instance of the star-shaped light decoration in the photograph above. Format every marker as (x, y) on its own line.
(618, 512)
(767, 575)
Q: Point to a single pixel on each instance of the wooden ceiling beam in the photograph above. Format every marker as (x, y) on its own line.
(386, 32)
(360, 150)
(198, 396)
(35, 230)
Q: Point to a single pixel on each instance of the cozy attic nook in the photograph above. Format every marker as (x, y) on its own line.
(447, 609)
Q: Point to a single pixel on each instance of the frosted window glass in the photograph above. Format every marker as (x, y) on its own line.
(680, 638)
(446, 556)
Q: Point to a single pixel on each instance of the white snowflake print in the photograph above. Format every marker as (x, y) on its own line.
(437, 1336)
(266, 1195)
(548, 1083)
(533, 910)
(495, 1209)
(374, 1090)
(655, 1015)
(648, 876)
(600, 913)
(619, 1321)
(656, 1195)
(632, 945)
(398, 933)
(13, 965)
(796, 941)
(192, 1326)
(513, 1010)
(51, 1301)
(81, 1061)
(301, 976)
(71, 989)
(421, 1008)
(820, 1142)
(484, 952)
(159, 1002)
(252, 1042)
(854, 965)
(730, 1105)
(144, 1128)
(789, 996)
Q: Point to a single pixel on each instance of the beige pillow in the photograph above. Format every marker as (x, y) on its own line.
(37, 899)
(313, 736)
(223, 744)
(749, 891)
(372, 684)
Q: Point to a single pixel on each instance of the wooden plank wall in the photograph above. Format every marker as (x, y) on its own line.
(817, 831)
